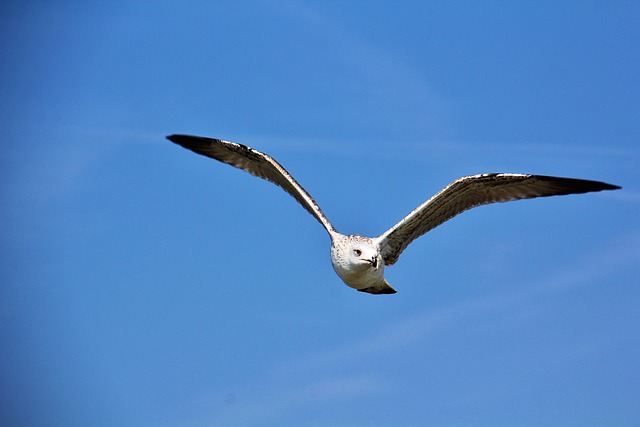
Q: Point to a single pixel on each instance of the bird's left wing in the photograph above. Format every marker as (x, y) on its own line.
(471, 191)
(257, 164)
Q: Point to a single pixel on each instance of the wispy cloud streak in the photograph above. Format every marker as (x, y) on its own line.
(416, 328)
(298, 383)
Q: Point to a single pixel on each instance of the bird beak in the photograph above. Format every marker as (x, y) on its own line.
(374, 262)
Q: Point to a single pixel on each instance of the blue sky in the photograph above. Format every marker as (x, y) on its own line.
(143, 285)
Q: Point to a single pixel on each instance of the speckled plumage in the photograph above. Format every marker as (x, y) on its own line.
(358, 260)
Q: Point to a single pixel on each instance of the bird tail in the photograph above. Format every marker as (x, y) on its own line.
(382, 288)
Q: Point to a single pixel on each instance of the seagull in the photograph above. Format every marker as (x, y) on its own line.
(359, 260)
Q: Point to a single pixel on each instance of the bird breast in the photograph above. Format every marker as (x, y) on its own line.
(354, 272)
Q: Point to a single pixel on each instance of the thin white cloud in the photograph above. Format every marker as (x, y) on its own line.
(383, 72)
(628, 195)
(44, 173)
(546, 148)
(57, 165)
(297, 383)
(252, 406)
(411, 330)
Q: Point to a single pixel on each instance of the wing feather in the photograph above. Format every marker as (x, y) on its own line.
(255, 163)
(471, 191)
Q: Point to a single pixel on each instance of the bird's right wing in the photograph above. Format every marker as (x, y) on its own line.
(471, 191)
(257, 164)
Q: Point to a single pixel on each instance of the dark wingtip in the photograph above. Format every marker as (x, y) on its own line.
(611, 186)
(177, 139)
(599, 185)
(180, 139)
(191, 142)
(577, 186)
(602, 186)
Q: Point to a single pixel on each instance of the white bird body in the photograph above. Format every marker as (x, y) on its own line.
(359, 260)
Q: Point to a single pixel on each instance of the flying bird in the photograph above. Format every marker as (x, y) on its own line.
(359, 260)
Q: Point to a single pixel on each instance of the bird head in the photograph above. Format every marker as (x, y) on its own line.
(357, 260)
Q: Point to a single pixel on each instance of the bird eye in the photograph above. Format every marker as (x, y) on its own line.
(358, 252)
